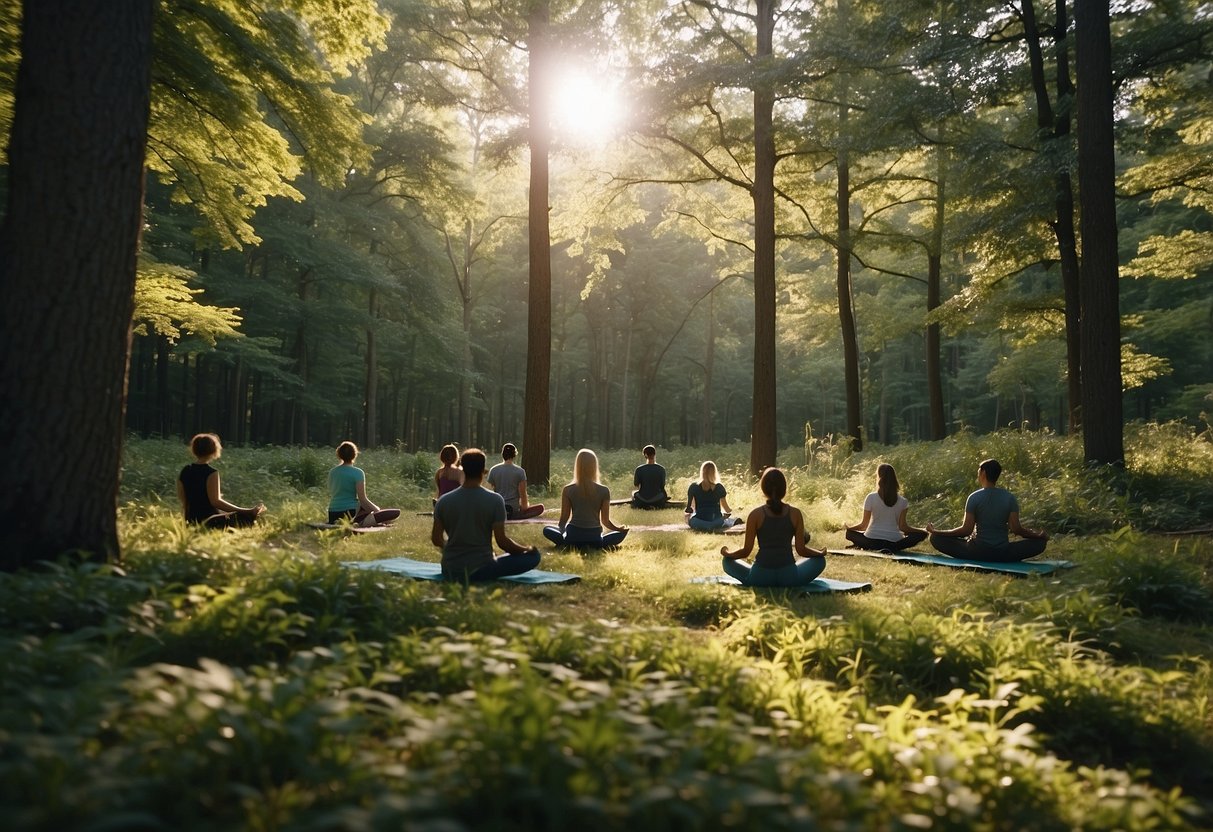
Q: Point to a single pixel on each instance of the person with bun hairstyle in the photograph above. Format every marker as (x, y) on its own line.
(508, 479)
(585, 507)
(347, 493)
(779, 529)
(450, 475)
(200, 495)
(884, 527)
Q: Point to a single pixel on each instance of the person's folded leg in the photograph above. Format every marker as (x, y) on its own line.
(554, 534)
(533, 510)
(911, 539)
(699, 524)
(614, 538)
(736, 568)
(505, 565)
(953, 547)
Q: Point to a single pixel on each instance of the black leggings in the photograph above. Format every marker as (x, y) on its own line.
(1010, 552)
(861, 541)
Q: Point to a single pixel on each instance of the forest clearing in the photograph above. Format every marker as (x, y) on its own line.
(245, 679)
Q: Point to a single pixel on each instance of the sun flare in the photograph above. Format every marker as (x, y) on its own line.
(586, 109)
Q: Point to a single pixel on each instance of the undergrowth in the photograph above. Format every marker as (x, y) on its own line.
(247, 680)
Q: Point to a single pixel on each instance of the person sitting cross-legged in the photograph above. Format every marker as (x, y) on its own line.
(884, 527)
(990, 513)
(649, 480)
(707, 507)
(583, 503)
(508, 479)
(467, 520)
(778, 528)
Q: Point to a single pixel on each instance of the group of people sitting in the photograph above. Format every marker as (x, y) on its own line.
(469, 517)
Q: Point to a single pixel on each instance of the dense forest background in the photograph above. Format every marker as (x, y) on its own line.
(336, 240)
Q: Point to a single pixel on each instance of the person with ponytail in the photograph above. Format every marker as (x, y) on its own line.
(583, 504)
(884, 526)
(779, 529)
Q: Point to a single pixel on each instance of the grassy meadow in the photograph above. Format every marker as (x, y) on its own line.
(246, 680)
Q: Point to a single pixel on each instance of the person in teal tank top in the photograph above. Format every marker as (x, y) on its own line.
(990, 514)
(347, 493)
(778, 528)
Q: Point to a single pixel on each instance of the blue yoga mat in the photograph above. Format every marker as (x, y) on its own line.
(426, 571)
(1023, 567)
(821, 586)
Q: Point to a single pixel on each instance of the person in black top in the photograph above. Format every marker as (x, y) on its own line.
(649, 480)
(199, 493)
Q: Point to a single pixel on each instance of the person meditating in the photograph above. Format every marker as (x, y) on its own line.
(992, 511)
(707, 508)
(586, 501)
(509, 480)
(347, 493)
(649, 480)
(467, 520)
(449, 476)
(199, 493)
(884, 526)
(778, 528)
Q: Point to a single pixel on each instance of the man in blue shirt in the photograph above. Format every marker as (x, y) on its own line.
(993, 512)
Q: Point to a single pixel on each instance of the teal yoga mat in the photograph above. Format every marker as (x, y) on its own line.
(426, 571)
(1023, 567)
(821, 586)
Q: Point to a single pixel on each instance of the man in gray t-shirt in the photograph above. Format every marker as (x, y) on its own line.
(509, 480)
(467, 520)
(991, 512)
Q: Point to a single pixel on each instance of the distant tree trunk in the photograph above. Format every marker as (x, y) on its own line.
(163, 395)
(709, 369)
(939, 428)
(846, 311)
(1103, 427)
(626, 438)
(1053, 133)
(67, 259)
(764, 439)
(536, 433)
(370, 411)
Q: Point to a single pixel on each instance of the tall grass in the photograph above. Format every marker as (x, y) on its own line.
(245, 679)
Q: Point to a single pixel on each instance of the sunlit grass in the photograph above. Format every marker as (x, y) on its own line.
(245, 679)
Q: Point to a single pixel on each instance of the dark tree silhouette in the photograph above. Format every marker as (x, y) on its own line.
(67, 256)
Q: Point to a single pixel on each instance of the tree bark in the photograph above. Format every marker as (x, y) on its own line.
(1102, 406)
(846, 310)
(764, 439)
(370, 415)
(536, 433)
(67, 258)
(939, 428)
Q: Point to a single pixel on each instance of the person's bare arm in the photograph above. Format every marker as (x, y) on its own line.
(604, 514)
(798, 543)
(523, 502)
(438, 533)
(904, 525)
(506, 543)
(751, 533)
(1023, 531)
(963, 530)
(363, 500)
(862, 525)
(214, 494)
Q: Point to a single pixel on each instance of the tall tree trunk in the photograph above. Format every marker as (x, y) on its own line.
(626, 436)
(536, 433)
(764, 439)
(163, 396)
(846, 311)
(67, 260)
(1103, 427)
(709, 369)
(1053, 134)
(939, 428)
(370, 413)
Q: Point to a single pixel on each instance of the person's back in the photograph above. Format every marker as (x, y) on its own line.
(587, 507)
(775, 539)
(468, 515)
(649, 480)
(992, 508)
(193, 479)
(505, 477)
(343, 487)
(707, 500)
